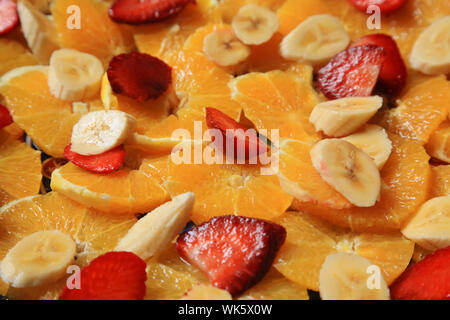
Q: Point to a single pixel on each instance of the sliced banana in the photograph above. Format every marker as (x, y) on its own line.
(38, 259)
(224, 48)
(206, 292)
(341, 117)
(347, 276)
(159, 227)
(100, 131)
(74, 75)
(374, 141)
(315, 40)
(38, 31)
(254, 24)
(431, 51)
(430, 227)
(347, 169)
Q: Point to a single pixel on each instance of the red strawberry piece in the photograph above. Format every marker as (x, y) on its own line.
(428, 279)
(8, 16)
(393, 73)
(5, 116)
(352, 73)
(112, 276)
(235, 134)
(235, 252)
(386, 6)
(145, 11)
(139, 75)
(105, 162)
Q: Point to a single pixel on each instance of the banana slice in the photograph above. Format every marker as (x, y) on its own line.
(254, 24)
(430, 227)
(341, 117)
(159, 227)
(206, 292)
(100, 131)
(347, 169)
(431, 51)
(74, 75)
(374, 141)
(38, 31)
(347, 276)
(38, 259)
(223, 48)
(315, 40)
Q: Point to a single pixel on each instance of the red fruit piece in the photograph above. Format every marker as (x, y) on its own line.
(8, 16)
(139, 75)
(145, 11)
(386, 6)
(393, 73)
(112, 276)
(352, 73)
(235, 252)
(105, 162)
(234, 134)
(428, 279)
(5, 116)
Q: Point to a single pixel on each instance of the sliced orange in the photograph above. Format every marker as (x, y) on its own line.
(46, 119)
(229, 8)
(13, 55)
(439, 144)
(310, 240)
(440, 181)
(95, 233)
(97, 33)
(277, 100)
(405, 185)
(14, 130)
(20, 169)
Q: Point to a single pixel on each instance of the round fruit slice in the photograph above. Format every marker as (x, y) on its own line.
(47, 120)
(14, 55)
(95, 233)
(310, 240)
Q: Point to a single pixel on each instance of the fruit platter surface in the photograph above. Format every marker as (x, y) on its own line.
(225, 149)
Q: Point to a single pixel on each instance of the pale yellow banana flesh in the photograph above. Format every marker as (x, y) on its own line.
(206, 292)
(224, 48)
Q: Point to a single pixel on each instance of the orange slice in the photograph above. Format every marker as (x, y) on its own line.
(13, 55)
(229, 8)
(405, 184)
(95, 233)
(46, 119)
(440, 181)
(439, 144)
(310, 240)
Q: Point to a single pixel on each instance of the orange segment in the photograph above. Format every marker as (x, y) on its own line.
(405, 184)
(13, 55)
(440, 181)
(229, 8)
(309, 241)
(46, 119)
(439, 144)
(94, 232)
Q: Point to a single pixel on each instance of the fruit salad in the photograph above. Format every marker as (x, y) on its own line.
(225, 149)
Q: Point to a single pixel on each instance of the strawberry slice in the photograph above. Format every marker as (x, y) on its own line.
(235, 252)
(352, 73)
(106, 162)
(145, 11)
(234, 134)
(8, 16)
(428, 279)
(386, 6)
(139, 75)
(112, 276)
(393, 73)
(5, 117)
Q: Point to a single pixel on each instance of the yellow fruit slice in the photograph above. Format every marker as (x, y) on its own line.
(13, 55)
(439, 144)
(310, 240)
(440, 181)
(95, 233)
(229, 8)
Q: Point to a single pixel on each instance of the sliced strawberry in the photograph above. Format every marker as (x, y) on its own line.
(235, 252)
(139, 75)
(386, 6)
(145, 11)
(233, 133)
(393, 74)
(352, 73)
(428, 279)
(106, 162)
(8, 16)
(5, 117)
(112, 276)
